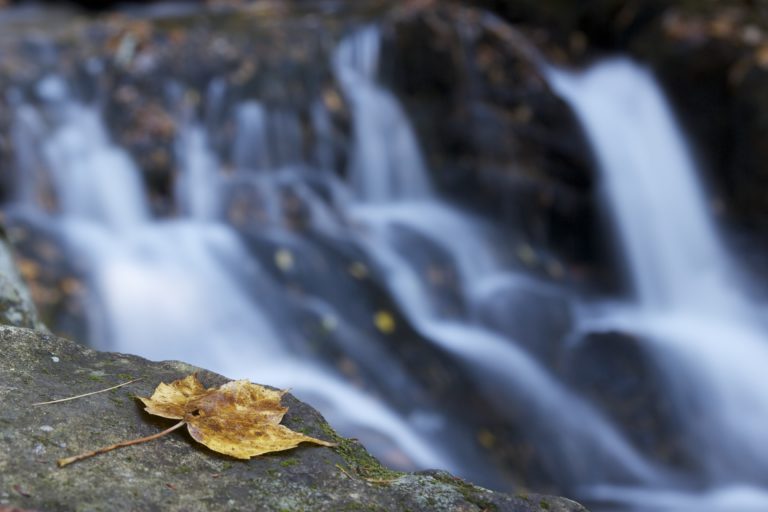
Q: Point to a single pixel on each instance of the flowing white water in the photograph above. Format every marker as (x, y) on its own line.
(182, 289)
(582, 446)
(197, 189)
(652, 186)
(691, 310)
(386, 161)
(251, 147)
(89, 168)
(573, 432)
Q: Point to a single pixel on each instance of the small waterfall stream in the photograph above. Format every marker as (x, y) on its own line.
(379, 171)
(690, 310)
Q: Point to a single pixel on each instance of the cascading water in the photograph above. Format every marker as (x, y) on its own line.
(149, 277)
(379, 171)
(673, 252)
(572, 431)
(690, 307)
(267, 240)
(182, 288)
(198, 188)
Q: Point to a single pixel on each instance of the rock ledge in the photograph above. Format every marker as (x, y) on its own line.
(174, 473)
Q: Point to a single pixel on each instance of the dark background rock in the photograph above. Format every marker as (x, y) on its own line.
(615, 371)
(52, 277)
(497, 138)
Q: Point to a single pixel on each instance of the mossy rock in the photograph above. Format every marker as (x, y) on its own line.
(174, 473)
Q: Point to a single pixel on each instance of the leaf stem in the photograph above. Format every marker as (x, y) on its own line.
(69, 460)
(87, 394)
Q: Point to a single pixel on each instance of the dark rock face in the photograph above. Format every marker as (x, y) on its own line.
(711, 56)
(51, 274)
(714, 63)
(16, 307)
(497, 138)
(536, 317)
(615, 371)
(174, 473)
(573, 31)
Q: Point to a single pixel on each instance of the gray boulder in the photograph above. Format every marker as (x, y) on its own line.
(16, 307)
(175, 473)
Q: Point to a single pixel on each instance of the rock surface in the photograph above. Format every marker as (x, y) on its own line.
(173, 473)
(16, 307)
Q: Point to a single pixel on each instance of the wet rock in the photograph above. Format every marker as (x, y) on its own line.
(614, 371)
(52, 276)
(534, 314)
(573, 32)
(174, 473)
(496, 137)
(16, 306)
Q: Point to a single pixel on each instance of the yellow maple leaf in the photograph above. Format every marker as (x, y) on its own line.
(239, 419)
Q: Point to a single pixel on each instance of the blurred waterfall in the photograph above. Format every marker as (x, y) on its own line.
(691, 311)
(303, 255)
(386, 161)
(185, 288)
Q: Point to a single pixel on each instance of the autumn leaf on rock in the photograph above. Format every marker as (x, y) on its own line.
(239, 419)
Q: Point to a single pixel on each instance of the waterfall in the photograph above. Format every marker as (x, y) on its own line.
(652, 187)
(188, 287)
(237, 301)
(581, 445)
(85, 167)
(572, 432)
(277, 265)
(386, 161)
(198, 187)
(251, 146)
(690, 310)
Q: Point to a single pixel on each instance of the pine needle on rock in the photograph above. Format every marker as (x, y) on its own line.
(87, 394)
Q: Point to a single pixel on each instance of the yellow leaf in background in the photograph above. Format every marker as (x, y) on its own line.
(384, 322)
(358, 270)
(284, 260)
(761, 56)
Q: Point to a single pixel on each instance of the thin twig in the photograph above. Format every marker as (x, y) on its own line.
(383, 481)
(344, 471)
(87, 394)
(70, 460)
